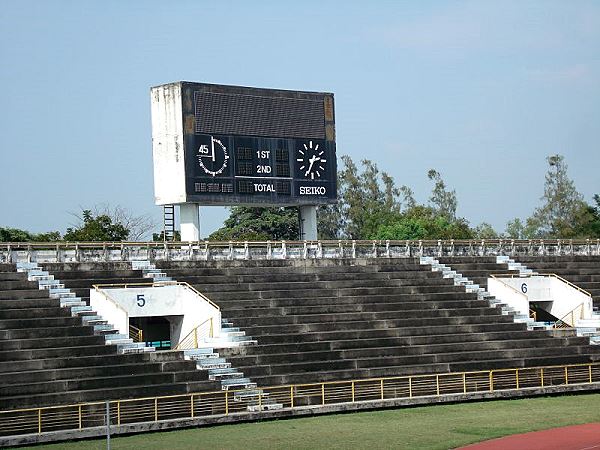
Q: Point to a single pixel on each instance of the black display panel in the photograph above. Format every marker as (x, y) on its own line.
(243, 170)
(258, 146)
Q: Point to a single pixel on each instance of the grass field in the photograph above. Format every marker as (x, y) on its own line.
(430, 427)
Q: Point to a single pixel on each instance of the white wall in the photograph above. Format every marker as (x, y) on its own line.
(561, 297)
(167, 144)
(117, 305)
(509, 295)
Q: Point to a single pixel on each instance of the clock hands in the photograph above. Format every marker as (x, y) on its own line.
(312, 160)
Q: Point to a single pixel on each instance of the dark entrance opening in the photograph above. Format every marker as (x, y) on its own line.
(156, 331)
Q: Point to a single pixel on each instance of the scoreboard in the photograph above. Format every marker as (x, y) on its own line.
(231, 145)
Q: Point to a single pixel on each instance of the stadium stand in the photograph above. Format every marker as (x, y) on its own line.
(322, 320)
(48, 356)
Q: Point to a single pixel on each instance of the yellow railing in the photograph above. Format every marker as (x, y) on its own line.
(569, 320)
(205, 404)
(194, 337)
(533, 314)
(136, 334)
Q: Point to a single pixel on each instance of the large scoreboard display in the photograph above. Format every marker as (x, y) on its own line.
(230, 145)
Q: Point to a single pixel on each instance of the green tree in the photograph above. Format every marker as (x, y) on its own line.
(367, 197)
(96, 228)
(424, 222)
(259, 224)
(442, 200)
(515, 229)
(139, 226)
(588, 220)
(484, 231)
(14, 235)
(17, 235)
(562, 205)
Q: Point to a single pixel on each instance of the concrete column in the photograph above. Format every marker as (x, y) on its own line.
(189, 220)
(308, 223)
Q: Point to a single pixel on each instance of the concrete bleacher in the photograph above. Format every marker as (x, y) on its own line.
(79, 277)
(323, 320)
(48, 356)
(583, 271)
(314, 320)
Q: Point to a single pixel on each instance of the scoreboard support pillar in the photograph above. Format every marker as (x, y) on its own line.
(308, 223)
(189, 218)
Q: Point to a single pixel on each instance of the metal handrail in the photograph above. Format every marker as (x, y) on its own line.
(574, 286)
(533, 314)
(559, 323)
(193, 336)
(189, 286)
(206, 404)
(135, 333)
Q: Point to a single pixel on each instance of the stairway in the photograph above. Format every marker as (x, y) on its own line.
(219, 369)
(523, 270)
(482, 294)
(207, 359)
(80, 309)
(150, 271)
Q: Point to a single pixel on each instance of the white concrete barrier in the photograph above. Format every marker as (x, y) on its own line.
(550, 292)
(184, 307)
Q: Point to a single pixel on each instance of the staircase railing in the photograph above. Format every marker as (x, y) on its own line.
(569, 319)
(533, 314)
(194, 337)
(136, 334)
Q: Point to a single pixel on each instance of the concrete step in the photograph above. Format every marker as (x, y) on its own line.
(237, 383)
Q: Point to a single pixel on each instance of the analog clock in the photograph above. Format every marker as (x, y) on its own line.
(311, 160)
(213, 158)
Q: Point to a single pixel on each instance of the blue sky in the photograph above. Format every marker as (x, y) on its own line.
(482, 91)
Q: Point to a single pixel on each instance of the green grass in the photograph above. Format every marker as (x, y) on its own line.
(430, 427)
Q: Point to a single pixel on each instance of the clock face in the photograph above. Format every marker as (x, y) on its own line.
(213, 158)
(311, 160)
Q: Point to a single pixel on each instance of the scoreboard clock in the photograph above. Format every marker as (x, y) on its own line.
(232, 145)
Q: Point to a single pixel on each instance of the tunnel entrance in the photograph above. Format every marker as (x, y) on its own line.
(155, 330)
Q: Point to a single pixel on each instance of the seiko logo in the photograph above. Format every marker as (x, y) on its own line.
(313, 190)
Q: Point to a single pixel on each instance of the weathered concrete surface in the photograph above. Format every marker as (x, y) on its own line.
(165, 425)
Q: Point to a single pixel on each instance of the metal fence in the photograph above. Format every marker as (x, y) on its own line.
(206, 404)
(205, 250)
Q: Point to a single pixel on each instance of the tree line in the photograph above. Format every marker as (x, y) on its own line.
(370, 206)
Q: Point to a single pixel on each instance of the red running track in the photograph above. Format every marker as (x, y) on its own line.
(577, 437)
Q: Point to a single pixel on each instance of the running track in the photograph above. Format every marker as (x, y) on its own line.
(577, 437)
